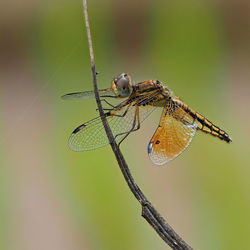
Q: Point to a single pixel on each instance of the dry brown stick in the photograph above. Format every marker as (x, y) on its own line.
(148, 211)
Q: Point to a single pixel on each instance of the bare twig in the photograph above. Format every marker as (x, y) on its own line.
(148, 211)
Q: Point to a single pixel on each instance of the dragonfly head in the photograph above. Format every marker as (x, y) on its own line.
(122, 85)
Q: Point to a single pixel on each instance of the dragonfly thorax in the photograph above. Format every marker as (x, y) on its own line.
(152, 85)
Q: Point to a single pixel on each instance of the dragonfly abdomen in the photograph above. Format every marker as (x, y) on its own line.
(205, 125)
(210, 128)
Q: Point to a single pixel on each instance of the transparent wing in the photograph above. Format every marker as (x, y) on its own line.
(78, 95)
(92, 135)
(173, 135)
(89, 94)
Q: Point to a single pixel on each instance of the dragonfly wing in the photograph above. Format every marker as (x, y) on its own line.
(173, 135)
(88, 94)
(78, 95)
(92, 135)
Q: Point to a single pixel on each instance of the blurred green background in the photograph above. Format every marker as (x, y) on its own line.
(53, 198)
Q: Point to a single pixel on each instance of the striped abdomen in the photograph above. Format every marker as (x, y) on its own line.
(204, 124)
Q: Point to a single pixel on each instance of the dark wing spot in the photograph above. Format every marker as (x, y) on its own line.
(150, 146)
(78, 128)
(157, 142)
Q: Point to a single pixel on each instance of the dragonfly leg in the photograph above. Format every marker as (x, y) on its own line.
(132, 128)
(105, 109)
(115, 108)
(125, 112)
(104, 100)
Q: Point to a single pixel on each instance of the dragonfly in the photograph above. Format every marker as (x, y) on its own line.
(177, 127)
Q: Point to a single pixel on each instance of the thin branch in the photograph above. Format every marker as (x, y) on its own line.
(148, 211)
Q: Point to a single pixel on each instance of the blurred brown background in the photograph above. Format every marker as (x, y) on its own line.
(53, 198)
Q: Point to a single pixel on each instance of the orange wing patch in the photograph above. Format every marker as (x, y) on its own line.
(174, 133)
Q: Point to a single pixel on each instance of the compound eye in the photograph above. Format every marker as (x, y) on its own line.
(122, 84)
